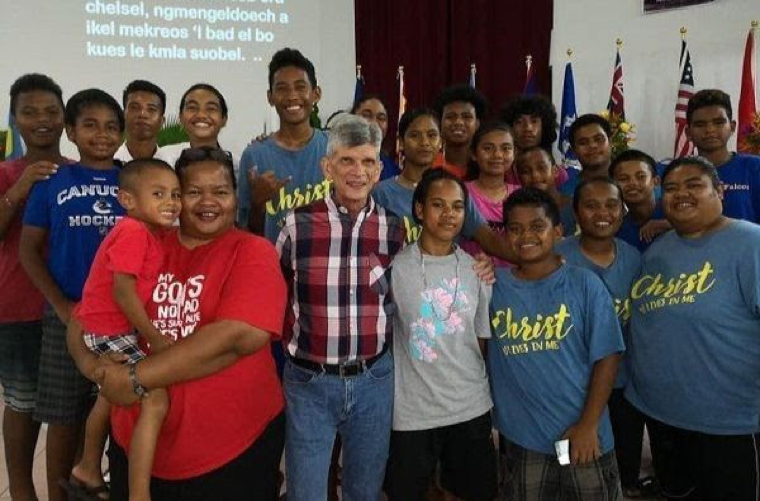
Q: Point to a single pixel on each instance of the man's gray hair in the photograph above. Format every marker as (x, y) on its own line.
(349, 131)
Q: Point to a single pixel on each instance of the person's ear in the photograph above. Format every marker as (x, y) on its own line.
(656, 180)
(721, 190)
(71, 134)
(126, 199)
(326, 168)
(559, 231)
(733, 127)
(418, 210)
(317, 94)
(270, 98)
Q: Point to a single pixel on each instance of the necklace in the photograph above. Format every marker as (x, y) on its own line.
(427, 288)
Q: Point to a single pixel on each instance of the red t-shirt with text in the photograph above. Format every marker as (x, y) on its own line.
(213, 420)
(131, 249)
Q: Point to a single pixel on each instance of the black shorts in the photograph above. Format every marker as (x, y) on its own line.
(465, 451)
(253, 475)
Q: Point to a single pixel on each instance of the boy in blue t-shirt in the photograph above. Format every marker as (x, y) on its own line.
(710, 126)
(598, 208)
(66, 219)
(636, 174)
(283, 171)
(695, 343)
(552, 362)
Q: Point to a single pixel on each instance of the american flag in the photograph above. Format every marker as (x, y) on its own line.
(684, 146)
(401, 108)
(616, 104)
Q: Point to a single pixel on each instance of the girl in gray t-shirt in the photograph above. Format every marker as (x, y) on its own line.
(442, 400)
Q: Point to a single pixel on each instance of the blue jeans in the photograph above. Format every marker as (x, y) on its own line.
(359, 408)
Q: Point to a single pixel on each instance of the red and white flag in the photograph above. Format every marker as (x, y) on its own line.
(747, 102)
(401, 109)
(683, 146)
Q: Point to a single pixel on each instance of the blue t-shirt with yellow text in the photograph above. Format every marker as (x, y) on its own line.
(695, 331)
(546, 337)
(77, 207)
(617, 277)
(306, 185)
(398, 199)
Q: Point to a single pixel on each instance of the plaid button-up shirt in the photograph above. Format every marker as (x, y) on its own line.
(338, 270)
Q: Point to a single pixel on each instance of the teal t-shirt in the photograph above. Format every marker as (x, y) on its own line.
(617, 277)
(546, 337)
(398, 199)
(695, 331)
(307, 182)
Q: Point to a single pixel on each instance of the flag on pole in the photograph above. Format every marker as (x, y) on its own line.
(530, 77)
(359, 89)
(747, 101)
(683, 145)
(568, 115)
(616, 103)
(401, 109)
(472, 75)
(13, 148)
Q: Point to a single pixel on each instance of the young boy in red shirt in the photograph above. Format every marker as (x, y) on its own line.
(112, 312)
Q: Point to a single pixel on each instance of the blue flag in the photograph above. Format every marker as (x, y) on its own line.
(568, 115)
(13, 148)
(359, 89)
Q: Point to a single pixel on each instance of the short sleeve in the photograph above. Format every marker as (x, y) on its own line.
(603, 334)
(254, 292)
(748, 274)
(129, 248)
(37, 211)
(473, 219)
(482, 319)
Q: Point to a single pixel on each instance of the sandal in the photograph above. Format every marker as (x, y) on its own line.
(79, 491)
(646, 487)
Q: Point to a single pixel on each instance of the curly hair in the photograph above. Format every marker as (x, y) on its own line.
(536, 106)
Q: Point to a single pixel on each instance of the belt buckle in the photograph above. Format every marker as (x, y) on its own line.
(352, 370)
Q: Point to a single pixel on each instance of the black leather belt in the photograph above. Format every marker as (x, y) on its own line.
(349, 369)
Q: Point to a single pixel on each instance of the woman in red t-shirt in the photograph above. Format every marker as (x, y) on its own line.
(221, 296)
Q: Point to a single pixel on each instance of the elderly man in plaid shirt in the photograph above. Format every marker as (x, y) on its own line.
(336, 254)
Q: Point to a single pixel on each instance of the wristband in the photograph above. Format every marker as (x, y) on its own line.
(139, 389)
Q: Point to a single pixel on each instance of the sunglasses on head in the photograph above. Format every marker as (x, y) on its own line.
(190, 156)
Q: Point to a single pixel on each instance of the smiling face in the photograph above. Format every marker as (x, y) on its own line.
(154, 198)
(143, 115)
(202, 117)
(535, 170)
(690, 201)
(635, 179)
(208, 201)
(292, 95)
(422, 141)
(459, 122)
(495, 153)
(39, 119)
(97, 134)
(592, 146)
(710, 129)
(353, 172)
(600, 210)
(531, 235)
(442, 213)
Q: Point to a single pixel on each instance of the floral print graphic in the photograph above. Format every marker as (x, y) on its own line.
(440, 315)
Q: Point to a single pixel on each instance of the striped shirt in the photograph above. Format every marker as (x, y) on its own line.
(338, 268)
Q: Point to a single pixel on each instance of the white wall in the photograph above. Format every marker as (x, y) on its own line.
(716, 36)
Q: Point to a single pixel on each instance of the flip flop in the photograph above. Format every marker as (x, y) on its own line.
(79, 491)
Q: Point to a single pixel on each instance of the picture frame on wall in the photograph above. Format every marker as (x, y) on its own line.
(660, 5)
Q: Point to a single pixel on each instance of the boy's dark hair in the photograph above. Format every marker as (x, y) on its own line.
(429, 177)
(135, 169)
(473, 169)
(588, 182)
(532, 197)
(586, 120)
(144, 86)
(701, 163)
(633, 156)
(291, 57)
(364, 99)
(463, 94)
(709, 97)
(540, 148)
(91, 97)
(31, 82)
(210, 88)
(533, 105)
(410, 116)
